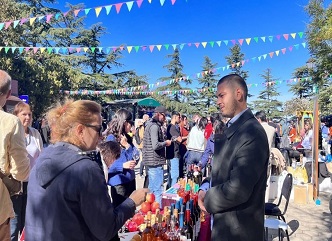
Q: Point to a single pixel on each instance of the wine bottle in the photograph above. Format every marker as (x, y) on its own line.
(187, 230)
(197, 175)
(147, 234)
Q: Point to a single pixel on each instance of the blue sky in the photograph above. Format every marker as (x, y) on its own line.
(194, 21)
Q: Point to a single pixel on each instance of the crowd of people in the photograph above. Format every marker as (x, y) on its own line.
(70, 192)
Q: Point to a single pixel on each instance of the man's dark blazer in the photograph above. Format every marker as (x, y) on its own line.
(239, 174)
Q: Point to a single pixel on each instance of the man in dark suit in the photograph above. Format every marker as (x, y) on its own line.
(239, 172)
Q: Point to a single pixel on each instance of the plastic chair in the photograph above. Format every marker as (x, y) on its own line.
(272, 209)
(273, 223)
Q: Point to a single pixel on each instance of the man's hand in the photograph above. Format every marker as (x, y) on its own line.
(179, 139)
(201, 195)
(138, 196)
(129, 164)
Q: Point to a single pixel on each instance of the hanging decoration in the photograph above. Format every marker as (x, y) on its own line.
(140, 90)
(159, 47)
(85, 11)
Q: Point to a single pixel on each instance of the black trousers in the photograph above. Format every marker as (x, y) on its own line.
(119, 194)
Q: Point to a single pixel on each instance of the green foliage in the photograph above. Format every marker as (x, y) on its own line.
(205, 102)
(236, 60)
(42, 75)
(319, 36)
(267, 98)
(302, 88)
(175, 100)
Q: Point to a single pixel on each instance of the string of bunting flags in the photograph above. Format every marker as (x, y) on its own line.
(159, 47)
(140, 90)
(85, 11)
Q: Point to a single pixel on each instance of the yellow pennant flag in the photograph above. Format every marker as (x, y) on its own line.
(293, 35)
(42, 49)
(32, 20)
(98, 11)
(159, 47)
(248, 40)
(85, 49)
(204, 44)
(129, 48)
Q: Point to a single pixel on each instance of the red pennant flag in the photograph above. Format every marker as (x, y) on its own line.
(283, 50)
(196, 44)
(271, 54)
(241, 41)
(139, 3)
(151, 48)
(118, 7)
(286, 36)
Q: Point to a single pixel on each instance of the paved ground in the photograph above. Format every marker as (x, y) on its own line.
(306, 222)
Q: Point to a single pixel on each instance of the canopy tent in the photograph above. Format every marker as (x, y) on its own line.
(137, 106)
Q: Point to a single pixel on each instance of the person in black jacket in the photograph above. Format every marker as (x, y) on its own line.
(68, 196)
(154, 156)
(236, 198)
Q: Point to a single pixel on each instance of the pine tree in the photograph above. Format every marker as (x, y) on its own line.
(267, 98)
(303, 87)
(175, 100)
(206, 100)
(236, 61)
(319, 36)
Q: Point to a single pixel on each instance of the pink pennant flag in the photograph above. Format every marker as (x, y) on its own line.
(243, 62)
(278, 36)
(233, 41)
(189, 44)
(78, 50)
(35, 49)
(196, 44)
(27, 49)
(240, 41)
(114, 49)
(48, 18)
(65, 14)
(76, 12)
(173, 1)
(118, 7)
(151, 48)
(283, 50)
(139, 3)
(271, 54)
(121, 47)
(290, 48)
(23, 20)
(7, 24)
(286, 36)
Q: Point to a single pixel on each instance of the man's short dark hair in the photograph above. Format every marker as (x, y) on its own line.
(261, 115)
(235, 79)
(175, 113)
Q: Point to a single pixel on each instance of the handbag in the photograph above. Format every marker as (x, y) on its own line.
(13, 186)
